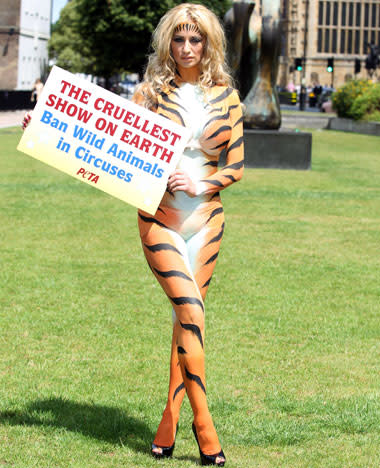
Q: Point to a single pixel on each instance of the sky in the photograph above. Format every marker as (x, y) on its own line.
(57, 6)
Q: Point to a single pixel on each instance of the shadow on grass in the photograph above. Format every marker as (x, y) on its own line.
(104, 423)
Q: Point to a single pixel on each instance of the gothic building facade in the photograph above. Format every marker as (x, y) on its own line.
(316, 30)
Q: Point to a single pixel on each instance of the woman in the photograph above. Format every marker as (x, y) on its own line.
(187, 82)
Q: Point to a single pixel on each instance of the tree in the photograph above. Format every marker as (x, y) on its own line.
(111, 36)
(65, 46)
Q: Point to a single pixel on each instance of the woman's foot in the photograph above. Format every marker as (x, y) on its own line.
(162, 452)
(218, 459)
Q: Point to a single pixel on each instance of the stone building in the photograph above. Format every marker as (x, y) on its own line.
(316, 30)
(24, 33)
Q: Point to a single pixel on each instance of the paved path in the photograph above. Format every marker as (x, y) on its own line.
(14, 118)
(11, 118)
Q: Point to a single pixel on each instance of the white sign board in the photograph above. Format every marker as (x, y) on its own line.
(104, 140)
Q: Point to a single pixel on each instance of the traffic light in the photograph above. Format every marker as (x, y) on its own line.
(372, 60)
(357, 66)
(330, 64)
(298, 64)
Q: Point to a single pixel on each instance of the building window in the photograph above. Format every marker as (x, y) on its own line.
(349, 42)
(320, 13)
(345, 26)
(366, 15)
(334, 39)
(351, 14)
(319, 40)
(327, 40)
(357, 41)
(344, 13)
(342, 41)
(328, 13)
(358, 13)
(335, 14)
(365, 40)
(374, 15)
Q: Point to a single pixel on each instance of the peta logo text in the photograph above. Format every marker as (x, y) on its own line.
(90, 176)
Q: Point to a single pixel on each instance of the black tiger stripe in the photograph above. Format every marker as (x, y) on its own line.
(211, 163)
(221, 129)
(194, 329)
(234, 106)
(163, 115)
(173, 91)
(173, 84)
(232, 178)
(216, 109)
(178, 389)
(217, 237)
(237, 165)
(207, 283)
(174, 112)
(146, 219)
(181, 350)
(166, 98)
(214, 213)
(171, 273)
(182, 300)
(221, 145)
(222, 96)
(216, 194)
(160, 209)
(241, 120)
(163, 246)
(237, 143)
(195, 378)
(212, 258)
(213, 182)
(218, 117)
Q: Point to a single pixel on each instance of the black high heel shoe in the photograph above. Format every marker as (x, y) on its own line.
(208, 459)
(166, 452)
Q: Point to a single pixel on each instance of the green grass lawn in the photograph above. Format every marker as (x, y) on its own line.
(293, 354)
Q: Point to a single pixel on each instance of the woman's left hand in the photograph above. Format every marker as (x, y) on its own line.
(180, 181)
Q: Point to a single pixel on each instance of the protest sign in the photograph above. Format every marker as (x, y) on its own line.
(104, 140)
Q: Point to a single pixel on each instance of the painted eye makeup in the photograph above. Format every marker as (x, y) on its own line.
(193, 40)
(178, 39)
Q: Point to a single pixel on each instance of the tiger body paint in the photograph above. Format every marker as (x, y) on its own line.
(181, 241)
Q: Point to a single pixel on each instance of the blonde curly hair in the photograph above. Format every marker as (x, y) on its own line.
(161, 68)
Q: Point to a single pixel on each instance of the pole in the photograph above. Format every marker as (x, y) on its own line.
(303, 96)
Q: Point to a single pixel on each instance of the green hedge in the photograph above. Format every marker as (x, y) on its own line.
(359, 100)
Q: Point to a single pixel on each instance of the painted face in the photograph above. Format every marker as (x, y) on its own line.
(187, 45)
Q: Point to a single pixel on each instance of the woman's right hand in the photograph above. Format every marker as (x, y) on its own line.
(26, 120)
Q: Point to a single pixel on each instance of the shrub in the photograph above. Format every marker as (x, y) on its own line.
(367, 105)
(344, 98)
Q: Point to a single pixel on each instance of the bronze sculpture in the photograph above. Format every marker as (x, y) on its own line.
(253, 50)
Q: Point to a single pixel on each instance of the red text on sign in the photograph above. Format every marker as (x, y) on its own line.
(75, 92)
(88, 175)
